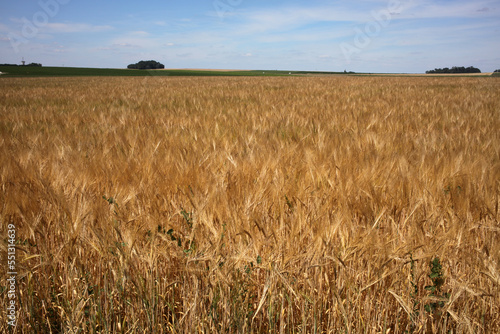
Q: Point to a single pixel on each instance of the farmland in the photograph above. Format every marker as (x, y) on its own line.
(35, 71)
(252, 204)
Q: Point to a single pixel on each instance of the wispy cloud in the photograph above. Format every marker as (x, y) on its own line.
(76, 28)
(288, 18)
(451, 9)
(56, 27)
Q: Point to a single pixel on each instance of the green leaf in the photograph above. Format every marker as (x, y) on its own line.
(170, 233)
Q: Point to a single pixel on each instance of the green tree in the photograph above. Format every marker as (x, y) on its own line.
(146, 65)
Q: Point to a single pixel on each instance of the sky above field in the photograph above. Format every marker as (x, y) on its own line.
(363, 36)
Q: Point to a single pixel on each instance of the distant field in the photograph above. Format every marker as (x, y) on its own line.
(443, 75)
(28, 71)
(252, 204)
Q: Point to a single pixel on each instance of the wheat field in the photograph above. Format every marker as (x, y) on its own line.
(252, 205)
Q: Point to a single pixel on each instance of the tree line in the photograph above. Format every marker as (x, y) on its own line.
(454, 70)
(31, 64)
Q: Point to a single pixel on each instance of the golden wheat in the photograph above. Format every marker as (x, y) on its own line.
(251, 205)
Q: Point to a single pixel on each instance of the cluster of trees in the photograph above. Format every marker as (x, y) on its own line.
(497, 71)
(32, 64)
(454, 70)
(146, 65)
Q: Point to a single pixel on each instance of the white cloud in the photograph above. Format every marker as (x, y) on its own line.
(455, 9)
(75, 28)
(3, 28)
(289, 18)
(139, 33)
(125, 45)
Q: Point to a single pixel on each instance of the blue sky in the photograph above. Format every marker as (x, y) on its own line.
(363, 36)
